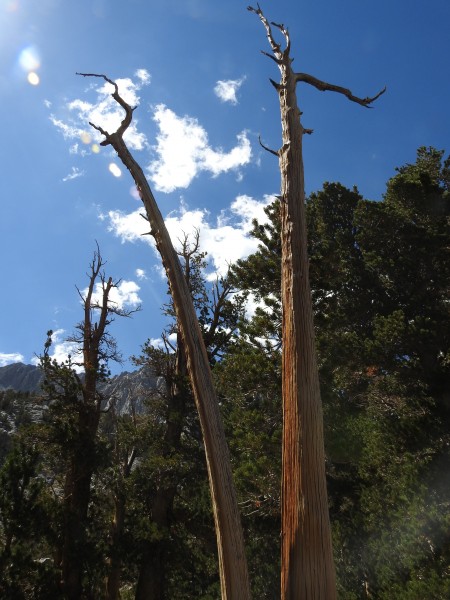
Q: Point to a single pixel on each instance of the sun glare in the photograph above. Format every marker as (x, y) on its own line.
(33, 78)
(114, 169)
(30, 62)
(29, 59)
(12, 6)
(85, 137)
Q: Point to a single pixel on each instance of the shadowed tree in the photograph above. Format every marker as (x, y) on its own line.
(307, 569)
(230, 541)
(219, 311)
(76, 404)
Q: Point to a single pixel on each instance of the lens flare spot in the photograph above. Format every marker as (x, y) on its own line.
(33, 78)
(12, 6)
(95, 148)
(85, 137)
(114, 169)
(29, 59)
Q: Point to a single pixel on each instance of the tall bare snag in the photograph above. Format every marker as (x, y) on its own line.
(307, 568)
(230, 542)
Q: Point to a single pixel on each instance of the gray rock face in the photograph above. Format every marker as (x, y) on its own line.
(126, 393)
(20, 377)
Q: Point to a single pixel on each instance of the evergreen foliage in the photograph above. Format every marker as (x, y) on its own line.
(380, 275)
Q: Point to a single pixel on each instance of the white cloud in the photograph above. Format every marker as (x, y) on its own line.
(226, 90)
(69, 131)
(61, 349)
(182, 147)
(183, 151)
(141, 274)
(104, 112)
(75, 172)
(128, 227)
(143, 75)
(159, 342)
(124, 296)
(8, 359)
(225, 241)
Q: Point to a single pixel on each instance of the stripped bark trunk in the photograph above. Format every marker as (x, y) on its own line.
(234, 578)
(307, 566)
(307, 554)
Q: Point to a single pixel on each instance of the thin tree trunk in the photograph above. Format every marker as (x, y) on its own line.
(151, 582)
(115, 563)
(151, 579)
(230, 540)
(77, 491)
(307, 557)
(233, 571)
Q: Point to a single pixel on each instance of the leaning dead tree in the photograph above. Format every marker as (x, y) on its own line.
(307, 567)
(234, 579)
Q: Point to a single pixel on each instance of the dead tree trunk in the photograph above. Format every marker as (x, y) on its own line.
(307, 566)
(230, 541)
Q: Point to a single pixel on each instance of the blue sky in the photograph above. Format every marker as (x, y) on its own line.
(196, 71)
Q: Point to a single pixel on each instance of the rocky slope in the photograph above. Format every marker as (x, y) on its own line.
(20, 377)
(125, 392)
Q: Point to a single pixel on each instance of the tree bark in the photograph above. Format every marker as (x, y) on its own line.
(307, 555)
(307, 566)
(230, 541)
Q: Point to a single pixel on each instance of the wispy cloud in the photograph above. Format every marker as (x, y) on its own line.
(10, 358)
(225, 241)
(183, 151)
(74, 173)
(141, 274)
(226, 90)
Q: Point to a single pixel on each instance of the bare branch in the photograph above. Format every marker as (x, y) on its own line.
(276, 85)
(277, 60)
(277, 153)
(118, 98)
(285, 32)
(167, 343)
(324, 86)
(276, 48)
(151, 232)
